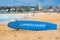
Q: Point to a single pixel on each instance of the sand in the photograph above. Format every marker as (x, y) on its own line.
(7, 33)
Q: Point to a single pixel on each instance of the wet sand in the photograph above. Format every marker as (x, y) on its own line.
(7, 33)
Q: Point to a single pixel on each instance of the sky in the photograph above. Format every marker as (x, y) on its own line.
(29, 2)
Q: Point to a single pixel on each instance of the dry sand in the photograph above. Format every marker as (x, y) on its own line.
(11, 34)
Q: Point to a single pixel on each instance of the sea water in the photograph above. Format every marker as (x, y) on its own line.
(7, 18)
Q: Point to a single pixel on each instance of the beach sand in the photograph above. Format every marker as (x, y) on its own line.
(7, 33)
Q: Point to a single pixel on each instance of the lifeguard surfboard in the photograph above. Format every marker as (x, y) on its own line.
(32, 25)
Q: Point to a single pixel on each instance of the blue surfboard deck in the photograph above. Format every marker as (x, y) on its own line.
(32, 25)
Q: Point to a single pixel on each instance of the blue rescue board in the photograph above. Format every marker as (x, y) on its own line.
(32, 25)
